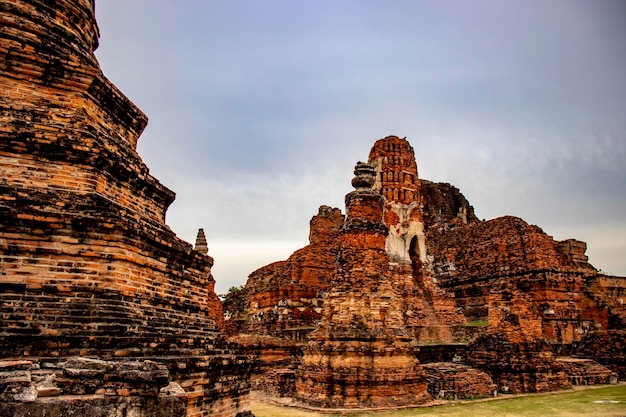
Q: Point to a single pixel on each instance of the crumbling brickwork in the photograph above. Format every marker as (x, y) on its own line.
(361, 354)
(454, 381)
(285, 297)
(89, 268)
(607, 347)
(522, 366)
(507, 258)
(587, 372)
(531, 290)
(501, 284)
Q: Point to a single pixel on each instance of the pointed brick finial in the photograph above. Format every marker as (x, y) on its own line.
(201, 245)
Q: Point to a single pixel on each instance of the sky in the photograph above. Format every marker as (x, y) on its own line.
(258, 111)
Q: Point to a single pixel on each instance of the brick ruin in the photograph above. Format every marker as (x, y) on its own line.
(407, 296)
(103, 310)
(411, 282)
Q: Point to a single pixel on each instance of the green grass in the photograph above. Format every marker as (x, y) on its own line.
(589, 402)
(478, 323)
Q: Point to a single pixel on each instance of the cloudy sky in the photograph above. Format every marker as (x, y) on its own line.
(259, 110)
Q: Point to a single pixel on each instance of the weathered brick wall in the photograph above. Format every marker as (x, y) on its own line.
(610, 293)
(454, 381)
(287, 295)
(515, 367)
(88, 266)
(587, 372)
(607, 347)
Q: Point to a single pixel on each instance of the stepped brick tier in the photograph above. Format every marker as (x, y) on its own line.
(361, 354)
(89, 268)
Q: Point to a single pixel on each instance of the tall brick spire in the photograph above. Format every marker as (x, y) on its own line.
(394, 160)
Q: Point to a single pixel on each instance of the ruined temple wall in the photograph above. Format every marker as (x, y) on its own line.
(483, 249)
(558, 301)
(609, 291)
(517, 366)
(507, 264)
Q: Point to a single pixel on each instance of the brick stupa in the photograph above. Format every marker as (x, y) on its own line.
(98, 297)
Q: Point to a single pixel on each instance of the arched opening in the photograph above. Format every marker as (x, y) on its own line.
(416, 262)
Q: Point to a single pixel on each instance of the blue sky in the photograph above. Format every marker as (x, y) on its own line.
(259, 110)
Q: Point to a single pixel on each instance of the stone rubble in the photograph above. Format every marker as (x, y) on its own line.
(455, 381)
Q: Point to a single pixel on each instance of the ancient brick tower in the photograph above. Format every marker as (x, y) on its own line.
(92, 280)
(430, 311)
(361, 354)
(397, 181)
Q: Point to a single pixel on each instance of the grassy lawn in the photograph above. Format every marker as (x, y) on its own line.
(590, 402)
